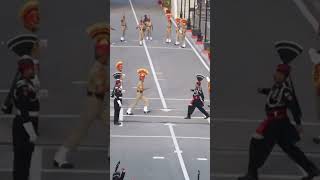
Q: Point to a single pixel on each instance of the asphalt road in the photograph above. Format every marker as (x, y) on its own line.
(160, 145)
(245, 60)
(64, 68)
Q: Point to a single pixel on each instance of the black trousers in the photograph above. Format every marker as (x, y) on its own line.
(22, 149)
(197, 104)
(117, 109)
(280, 133)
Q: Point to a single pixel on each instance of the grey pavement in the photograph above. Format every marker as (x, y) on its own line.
(244, 61)
(67, 58)
(145, 142)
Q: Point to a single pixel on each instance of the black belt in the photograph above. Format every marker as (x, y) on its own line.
(139, 91)
(92, 94)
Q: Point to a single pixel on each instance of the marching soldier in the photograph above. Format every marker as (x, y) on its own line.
(97, 86)
(124, 27)
(183, 31)
(178, 29)
(141, 28)
(315, 58)
(140, 89)
(25, 123)
(277, 128)
(23, 45)
(117, 95)
(119, 67)
(149, 28)
(169, 28)
(197, 100)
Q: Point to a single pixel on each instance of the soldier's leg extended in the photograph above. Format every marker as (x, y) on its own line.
(177, 38)
(22, 162)
(295, 153)
(90, 114)
(191, 108)
(138, 97)
(146, 104)
(183, 40)
(141, 36)
(201, 109)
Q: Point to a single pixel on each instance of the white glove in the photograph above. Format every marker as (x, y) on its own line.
(208, 79)
(119, 102)
(31, 132)
(180, 31)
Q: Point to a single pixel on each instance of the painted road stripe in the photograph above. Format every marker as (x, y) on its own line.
(152, 47)
(164, 104)
(178, 151)
(154, 116)
(157, 157)
(178, 137)
(168, 99)
(307, 14)
(202, 159)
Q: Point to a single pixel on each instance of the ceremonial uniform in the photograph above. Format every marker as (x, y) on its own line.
(183, 31)
(97, 86)
(169, 28)
(141, 28)
(25, 123)
(178, 30)
(30, 15)
(140, 89)
(149, 28)
(197, 99)
(277, 128)
(123, 28)
(117, 94)
(118, 175)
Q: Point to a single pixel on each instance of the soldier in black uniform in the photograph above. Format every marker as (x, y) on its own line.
(117, 175)
(25, 123)
(21, 45)
(117, 94)
(277, 128)
(197, 99)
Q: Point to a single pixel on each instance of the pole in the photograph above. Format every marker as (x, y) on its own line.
(189, 21)
(205, 26)
(194, 13)
(199, 33)
(181, 8)
(184, 10)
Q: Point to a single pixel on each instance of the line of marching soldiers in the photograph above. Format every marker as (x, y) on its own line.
(24, 95)
(145, 28)
(196, 102)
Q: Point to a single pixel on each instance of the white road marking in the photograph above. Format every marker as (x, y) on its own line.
(194, 49)
(202, 159)
(307, 14)
(164, 104)
(157, 157)
(155, 116)
(176, 145)
(153, 47)
(167, 99)
(75, 171)
(36, 164)
(178, 137)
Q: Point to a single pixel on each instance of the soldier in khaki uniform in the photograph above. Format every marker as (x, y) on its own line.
(140, 89)
(183, 31)
(177, 31)
(141, 28)
(169, 28)
(123, 28)
(97, 87)
(149, 28)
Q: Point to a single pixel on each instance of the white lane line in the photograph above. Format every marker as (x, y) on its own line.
(157, 157)
(75, 171)
(168, 99)
(36, 164)
(194, 49)
(202, 159)
(264, 176)
(178, 137)
(164, 104)
(155, 116)
(307, 14)
(153, 47)
(178, 151)
(255, 121)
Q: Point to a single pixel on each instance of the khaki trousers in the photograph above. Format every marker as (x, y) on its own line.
(138, 98)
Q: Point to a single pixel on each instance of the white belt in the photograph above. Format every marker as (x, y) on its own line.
(31, 113)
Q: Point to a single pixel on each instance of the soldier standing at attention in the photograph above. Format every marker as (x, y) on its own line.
(123, 28)
(183, 31)
(178, 29)
(169, 27)
(141, 28)
(149, 28)
(25, 123)
(140, 89)
(117, 95)
(97, 87)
